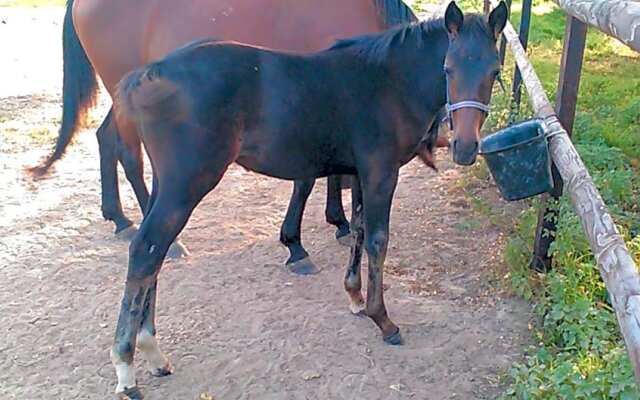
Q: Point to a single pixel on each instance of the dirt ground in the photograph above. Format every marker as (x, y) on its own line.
(234, 323)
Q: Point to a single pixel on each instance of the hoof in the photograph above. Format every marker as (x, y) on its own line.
(177, 250)
(127, 233)
(130, 394)
(303, 267)
(345, 239)
(160, 372)
(394, 339)
(357, 309)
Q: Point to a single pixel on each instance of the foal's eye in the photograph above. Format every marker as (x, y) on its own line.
(496, 74)
(447, 70)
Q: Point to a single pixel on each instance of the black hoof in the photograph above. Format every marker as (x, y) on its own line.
(177, 250)
(131, 394)
(344, 238)
(127, 233)
(394, 339)
(303, 267)
(160, 372)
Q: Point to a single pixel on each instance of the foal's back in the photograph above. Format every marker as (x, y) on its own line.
(283, 104)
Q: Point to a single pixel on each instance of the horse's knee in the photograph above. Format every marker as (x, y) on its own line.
(376, 244)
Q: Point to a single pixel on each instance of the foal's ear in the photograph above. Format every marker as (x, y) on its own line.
(498, 19)
(453, 19)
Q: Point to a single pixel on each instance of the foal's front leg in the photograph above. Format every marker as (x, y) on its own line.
(378, 188)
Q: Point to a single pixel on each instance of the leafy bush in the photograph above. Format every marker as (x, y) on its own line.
(578, 352)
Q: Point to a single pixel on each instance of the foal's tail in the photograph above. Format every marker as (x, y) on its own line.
(144, 93)
(79, 90)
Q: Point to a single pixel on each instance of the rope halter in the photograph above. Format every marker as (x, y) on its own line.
(461, 104)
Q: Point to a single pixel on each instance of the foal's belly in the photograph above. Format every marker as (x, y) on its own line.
(280, 157)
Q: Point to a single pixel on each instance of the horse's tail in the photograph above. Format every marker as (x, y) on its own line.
(79, 90)
(144, 93)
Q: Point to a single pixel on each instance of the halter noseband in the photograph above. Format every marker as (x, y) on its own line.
(461, 104)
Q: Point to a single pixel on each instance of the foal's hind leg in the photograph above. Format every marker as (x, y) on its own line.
(131, 159)
(178, 188)
(335, 212)
(157, 363)
(107, 135)
(146, 252)
(130, 156)
(175, 201)
(299, 261)
(352, 280)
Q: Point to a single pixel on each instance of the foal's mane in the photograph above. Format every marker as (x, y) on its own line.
(375, 47)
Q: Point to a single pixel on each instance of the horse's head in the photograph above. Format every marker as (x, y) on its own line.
(471, 67)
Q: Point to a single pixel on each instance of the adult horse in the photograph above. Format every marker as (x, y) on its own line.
(111, 38)
(359, 108)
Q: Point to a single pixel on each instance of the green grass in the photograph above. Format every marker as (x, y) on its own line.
(32, 3)
(578, 352)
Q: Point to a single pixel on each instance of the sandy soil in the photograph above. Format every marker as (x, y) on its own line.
(235, 324)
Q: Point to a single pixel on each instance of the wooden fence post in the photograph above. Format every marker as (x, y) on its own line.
(503, 41)
(575, 36)
(525, 23)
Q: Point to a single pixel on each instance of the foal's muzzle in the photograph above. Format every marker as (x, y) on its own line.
(464, 149)
(464, 153)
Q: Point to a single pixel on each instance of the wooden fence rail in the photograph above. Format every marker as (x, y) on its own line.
(620, 18)
(617, 268)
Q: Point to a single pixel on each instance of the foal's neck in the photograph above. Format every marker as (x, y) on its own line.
(416, 65)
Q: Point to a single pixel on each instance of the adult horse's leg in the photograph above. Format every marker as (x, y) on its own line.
(299, 261)
(335, 212)
(377, 194)
(352, 280)
(131, 159)
(107, 135)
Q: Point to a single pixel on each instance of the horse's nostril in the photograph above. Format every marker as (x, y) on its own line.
(454, 145)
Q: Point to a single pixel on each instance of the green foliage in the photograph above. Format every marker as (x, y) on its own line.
(578, 352)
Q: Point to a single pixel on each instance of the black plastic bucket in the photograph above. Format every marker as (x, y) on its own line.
(518, 159)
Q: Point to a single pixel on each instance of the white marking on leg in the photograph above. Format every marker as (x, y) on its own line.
(356, 305)
(158, 363)
(125, 372)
